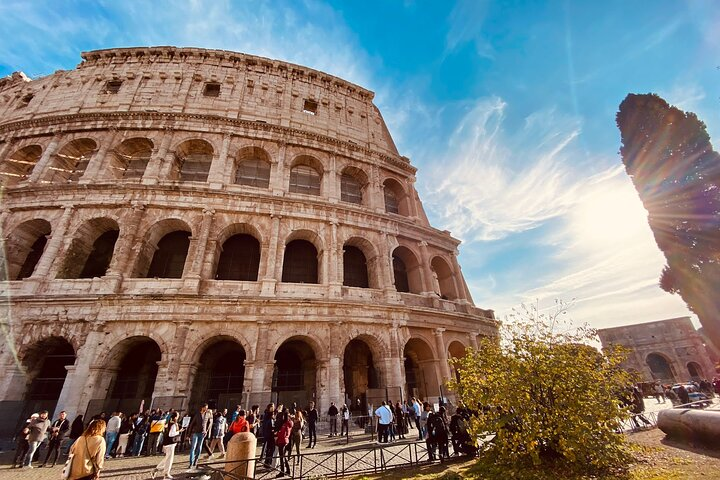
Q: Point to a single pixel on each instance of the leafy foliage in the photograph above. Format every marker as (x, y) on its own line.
(550, 398)
(674, 168)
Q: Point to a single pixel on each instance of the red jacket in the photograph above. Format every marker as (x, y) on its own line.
(283, 436)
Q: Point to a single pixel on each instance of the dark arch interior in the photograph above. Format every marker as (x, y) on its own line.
(294, 373)
(401, 275)
(99, 259)
(220, 376)
(48, 369)
(135, 379)
(659, 367)
(355, 272)
(33, 257)
(300, 263)
(169, 258)
(240, 259)
(359, 372)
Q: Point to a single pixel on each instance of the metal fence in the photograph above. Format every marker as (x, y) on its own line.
(372, 459)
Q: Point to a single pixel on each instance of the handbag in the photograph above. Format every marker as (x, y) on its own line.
(65, 474)
(96, 470)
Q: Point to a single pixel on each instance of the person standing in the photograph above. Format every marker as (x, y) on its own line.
(126, 429)
(252, 419)
(659, 393)
(156, 427)
(58, 432)
(312, 419)
(284, 447)
(37, 429)
(22, 446)
(296, 434)
(417, 413)
(385, 418)
(219, 430)
(76, 429)
(345, 425)
(199, 428)
(89, 452)
(268, 431)
(170, 440)
(400, 420)
(333, 413)
(111, 432)
(141, 426)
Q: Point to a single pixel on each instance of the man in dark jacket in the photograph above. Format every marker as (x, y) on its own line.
(199, 428)
(333, 413)
(58, 432)
(312, 418)
(37, 427)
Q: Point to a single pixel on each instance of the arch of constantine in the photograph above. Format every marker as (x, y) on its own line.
(184, 225)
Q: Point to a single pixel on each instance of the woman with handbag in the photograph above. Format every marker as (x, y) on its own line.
(170, 439)
(87, 455)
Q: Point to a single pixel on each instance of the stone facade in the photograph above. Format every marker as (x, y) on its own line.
(185, 225)
(667, 350)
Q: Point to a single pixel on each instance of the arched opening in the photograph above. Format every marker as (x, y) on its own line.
(300, 262)
(660, 368)
(220, 375)
(18, 166)
(69, 164)
(192, 161)
(45, 366)
(305, 175)
(443, 279)
(359, 373)
(169, 258)
(406, 271)
(253, 167)
(352, 184)
(695, 371)
(421, 379)
(294, 373)
(396, 200)
(239, 259)
(456, 350)
(131, 158)
(24, 248)
(91, 250)
(355, 270)
(134, 376)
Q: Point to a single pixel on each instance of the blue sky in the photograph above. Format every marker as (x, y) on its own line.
(507, 109)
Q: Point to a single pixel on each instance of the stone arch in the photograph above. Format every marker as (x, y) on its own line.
(444, 279)
(127, 372)
(456, 349)
(219, 379)
(407, 270)
(301, 246)
(44, 365)
(396, 198)
(660, 367)
(131, 157)
(150, 244)
(91, 249)
(238, 249)
(295, 375)
(360, 357)
(306, 174)
(370, 258)
(252, 167)
(421, 375)
(193, 158)
(695, 371)
(70, 162)
(25, 246)
(353, 183)
(19, 165)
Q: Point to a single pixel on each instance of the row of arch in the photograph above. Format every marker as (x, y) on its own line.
(163, 252)
(129, 370)
(192, 161)
(661, 369)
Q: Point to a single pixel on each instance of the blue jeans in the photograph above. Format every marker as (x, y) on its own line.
(110, 438)
(33, 447)
(138, 443)
(196, 444)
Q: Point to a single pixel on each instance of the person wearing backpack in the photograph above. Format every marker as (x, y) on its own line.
(219, 429)
(440, 433)
(283, 444)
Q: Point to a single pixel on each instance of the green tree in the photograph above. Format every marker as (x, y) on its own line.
(550, 398)
(668, 155)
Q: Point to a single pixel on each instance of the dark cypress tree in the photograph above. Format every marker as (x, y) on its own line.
(676, 172)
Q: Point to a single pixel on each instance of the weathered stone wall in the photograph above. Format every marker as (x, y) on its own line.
(49, 123)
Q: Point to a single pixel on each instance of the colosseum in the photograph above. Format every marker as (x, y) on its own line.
(184, 225)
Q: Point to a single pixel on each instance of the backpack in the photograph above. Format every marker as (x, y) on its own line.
(437, 426)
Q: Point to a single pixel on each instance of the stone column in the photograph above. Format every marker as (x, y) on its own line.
(177, 382)
(261, 360)
(44, 161)
(442, 355)
(374, 191)
(196, 254)
(386, 268)
(412, 198)
(334, 384)
(323, 384)
(121, 262)
(462, 288)
(330, 182)
(55, 242)
(157, 162)
(277, 174)
(97, 165)
(270, 275)
(332, 259)
(425, 270)
(81, 381)
(473, 340)
(218, 174)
